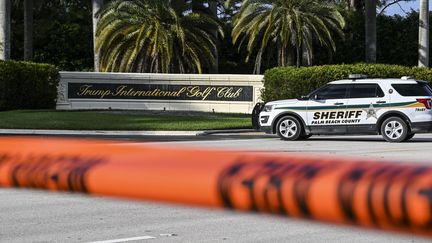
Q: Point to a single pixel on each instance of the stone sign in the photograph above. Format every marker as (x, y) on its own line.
(132, 91)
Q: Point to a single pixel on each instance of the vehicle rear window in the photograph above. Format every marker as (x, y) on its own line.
(366, 91)
(418, 89)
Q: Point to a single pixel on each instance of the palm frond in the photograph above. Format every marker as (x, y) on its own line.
(155, 36)
(287, 24)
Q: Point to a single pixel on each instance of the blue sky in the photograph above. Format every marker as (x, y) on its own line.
(406, 6)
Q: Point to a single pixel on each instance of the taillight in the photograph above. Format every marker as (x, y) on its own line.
(425, 102)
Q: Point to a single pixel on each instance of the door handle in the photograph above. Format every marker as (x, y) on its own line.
(337, 103)
(381, 102)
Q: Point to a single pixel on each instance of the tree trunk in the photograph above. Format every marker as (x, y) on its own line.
(28, 30)
(213, 9)
(290, 55)
(423, 48)
(279, 52)
(96, 6)
(306, 55)
(371, 35)
(283, 58)
(5, 22)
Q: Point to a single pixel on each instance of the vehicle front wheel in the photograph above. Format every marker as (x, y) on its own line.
(289, 128)
(394, 129)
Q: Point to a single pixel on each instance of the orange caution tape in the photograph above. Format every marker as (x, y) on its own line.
(373, 194)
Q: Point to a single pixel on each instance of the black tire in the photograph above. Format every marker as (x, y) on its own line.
(255, 115)
(289, 128)
(409, 136)
(394, 130)
(304, 137)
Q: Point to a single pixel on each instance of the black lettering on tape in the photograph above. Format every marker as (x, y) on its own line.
(427, 193)
(60, 172)
(273, 174)
(380, 182)
(384, 188)
(346, 189)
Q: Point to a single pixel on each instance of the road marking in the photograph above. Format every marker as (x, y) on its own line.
(125, 239)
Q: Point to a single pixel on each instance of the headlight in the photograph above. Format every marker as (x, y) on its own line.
(268, 108)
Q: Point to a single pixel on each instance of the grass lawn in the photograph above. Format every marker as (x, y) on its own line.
(121, 120)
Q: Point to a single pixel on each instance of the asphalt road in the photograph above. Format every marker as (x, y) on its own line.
(36, 216)
(419, 149)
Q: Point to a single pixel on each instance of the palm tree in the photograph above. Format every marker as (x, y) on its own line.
(96, 7)
(29, 6)
(28, 25)
(424, 34)
(370, 34)
(152, 36)
(288, 24)
(214, 13)
(5, 22)
(199, 7)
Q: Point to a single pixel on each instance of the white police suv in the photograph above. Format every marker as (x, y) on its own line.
(395, 108)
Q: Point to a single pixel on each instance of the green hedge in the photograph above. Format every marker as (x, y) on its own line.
(25, 85)
(292, 82)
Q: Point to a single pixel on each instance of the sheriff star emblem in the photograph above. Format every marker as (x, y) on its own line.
(371, 112)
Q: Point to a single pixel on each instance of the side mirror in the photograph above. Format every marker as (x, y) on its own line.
(316, 97)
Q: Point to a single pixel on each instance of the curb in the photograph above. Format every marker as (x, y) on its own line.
(95, 132)
(232, 131)
(119, 133)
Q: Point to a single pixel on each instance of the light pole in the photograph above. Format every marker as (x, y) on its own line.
(5, 11)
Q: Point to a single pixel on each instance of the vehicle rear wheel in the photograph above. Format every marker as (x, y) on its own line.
(289, 128)
(394, 129)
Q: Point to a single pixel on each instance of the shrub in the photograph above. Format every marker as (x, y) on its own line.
(25, 85)
(291, 82)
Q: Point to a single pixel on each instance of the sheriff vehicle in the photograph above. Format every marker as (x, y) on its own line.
(395, 108)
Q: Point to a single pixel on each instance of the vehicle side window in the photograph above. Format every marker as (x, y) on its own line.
(418, 89)
(366, 91)
(332, 91)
